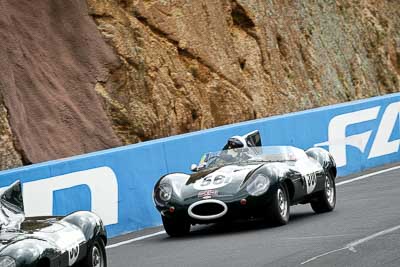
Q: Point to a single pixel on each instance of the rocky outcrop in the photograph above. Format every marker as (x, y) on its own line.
(156, 68)
(189, 65)
(9, 156)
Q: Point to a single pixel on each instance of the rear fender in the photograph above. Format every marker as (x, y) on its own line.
(90, 224)
(324, 158)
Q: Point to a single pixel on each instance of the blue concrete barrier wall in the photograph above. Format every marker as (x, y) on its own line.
(117, 183)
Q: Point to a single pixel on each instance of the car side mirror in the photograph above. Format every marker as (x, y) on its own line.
(193, 167)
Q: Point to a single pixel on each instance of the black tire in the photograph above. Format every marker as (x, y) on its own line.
(96, 255)
(279, 209)
(175, 228)
(325, 201)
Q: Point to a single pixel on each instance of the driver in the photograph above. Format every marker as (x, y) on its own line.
(234, 143)
(235, 148)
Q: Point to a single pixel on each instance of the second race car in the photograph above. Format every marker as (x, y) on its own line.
(246, 180)
(77, 239)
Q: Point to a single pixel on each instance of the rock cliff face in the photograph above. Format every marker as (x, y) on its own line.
(189, 65)
(154, 68)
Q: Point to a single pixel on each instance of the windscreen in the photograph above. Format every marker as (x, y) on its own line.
(251, 154)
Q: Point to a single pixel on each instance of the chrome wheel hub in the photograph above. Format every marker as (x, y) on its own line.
(282, 203)
(97, 260)
(329, 190)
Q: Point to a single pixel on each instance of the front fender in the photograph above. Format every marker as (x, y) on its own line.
(177, 182)
(276, 172)
(29, 252)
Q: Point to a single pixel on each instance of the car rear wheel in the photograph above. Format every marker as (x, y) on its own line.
(280, 206)
(175, 228)
(325, 200)
(96, 256)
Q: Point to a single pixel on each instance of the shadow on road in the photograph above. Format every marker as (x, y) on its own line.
(241, 226)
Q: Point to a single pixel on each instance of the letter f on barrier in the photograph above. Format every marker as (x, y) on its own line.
(337, 139)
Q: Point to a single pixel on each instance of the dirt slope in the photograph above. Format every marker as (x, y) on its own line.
(51, 56)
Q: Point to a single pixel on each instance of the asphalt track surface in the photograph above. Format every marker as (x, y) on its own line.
(363, 230)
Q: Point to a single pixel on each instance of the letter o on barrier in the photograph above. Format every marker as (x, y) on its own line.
(102, 182)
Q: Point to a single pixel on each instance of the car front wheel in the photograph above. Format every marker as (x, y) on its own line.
(175, 228)
(325, 200)
(280, 206)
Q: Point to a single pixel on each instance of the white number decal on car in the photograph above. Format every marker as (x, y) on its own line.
(73, 254)
(311, 181)
(212, 182)
(206, 181)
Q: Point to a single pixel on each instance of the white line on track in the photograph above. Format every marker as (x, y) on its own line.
(338, 184)
(317, 237)
(351, 246)
(134, 239)
(368, 175)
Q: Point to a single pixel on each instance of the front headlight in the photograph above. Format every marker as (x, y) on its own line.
(165, 192)
(258, 186)
(7, 261)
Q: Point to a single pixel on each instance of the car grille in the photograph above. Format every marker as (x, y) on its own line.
(207, 209)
